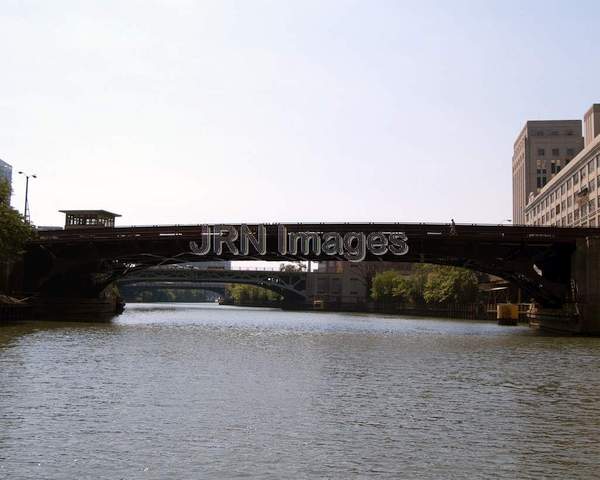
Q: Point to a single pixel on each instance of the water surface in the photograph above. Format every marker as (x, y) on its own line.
(206, 391)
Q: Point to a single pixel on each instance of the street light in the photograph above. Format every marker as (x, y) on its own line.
(26, 208)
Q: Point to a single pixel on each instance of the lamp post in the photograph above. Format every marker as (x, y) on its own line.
(26, 208)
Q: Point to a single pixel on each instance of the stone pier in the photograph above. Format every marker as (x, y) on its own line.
(581, 313)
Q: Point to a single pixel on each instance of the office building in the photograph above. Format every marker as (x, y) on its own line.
(541, 151)
(570, 197)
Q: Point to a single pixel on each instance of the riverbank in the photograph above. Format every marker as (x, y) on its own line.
(471, 311)
(13, 309)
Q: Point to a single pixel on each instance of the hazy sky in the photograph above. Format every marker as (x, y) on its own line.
(281, 111)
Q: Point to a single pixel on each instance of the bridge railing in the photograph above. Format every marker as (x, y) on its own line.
(187, 232)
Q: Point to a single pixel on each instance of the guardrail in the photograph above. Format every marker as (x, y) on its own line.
(459, 231)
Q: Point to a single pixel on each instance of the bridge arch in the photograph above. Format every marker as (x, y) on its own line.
(290, 285)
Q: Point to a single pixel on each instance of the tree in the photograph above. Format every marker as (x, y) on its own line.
(251, 293)
(14, 231)
(384, 284)
(409, 290)
(431, 284)
(450, 285)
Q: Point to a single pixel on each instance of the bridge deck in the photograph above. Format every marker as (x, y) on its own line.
(519, 233)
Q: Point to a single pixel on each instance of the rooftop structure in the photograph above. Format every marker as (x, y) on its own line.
(89, 218)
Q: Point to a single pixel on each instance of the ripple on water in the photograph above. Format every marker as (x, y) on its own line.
(171, 391)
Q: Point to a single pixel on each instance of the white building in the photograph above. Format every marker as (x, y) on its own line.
(570, 198)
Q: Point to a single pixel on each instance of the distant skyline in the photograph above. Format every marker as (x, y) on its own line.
(199, 112)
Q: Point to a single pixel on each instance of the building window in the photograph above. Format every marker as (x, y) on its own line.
(541, 152)
(558, 209)
(575, 179)
(569, 201)
(569, 184)
(570, 152)
(539, 133)
(555, 152)
(570, 218)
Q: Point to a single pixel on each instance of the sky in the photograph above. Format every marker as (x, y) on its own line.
(190, 112)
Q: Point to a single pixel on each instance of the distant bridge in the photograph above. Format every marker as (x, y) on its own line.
(290, 285)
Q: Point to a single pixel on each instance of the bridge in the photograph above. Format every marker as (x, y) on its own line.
(556, 267)
(290, 285)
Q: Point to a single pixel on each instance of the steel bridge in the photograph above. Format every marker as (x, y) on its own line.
(290, 285)
(83, 262)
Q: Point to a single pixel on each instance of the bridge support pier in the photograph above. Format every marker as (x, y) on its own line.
(77, 296)
(581, 315)
(586, 272)
(77, 309)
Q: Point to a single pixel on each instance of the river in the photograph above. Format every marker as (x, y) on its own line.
(171, 391)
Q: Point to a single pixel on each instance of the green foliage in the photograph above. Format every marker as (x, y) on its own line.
(384, 284)
(409, 290)
(148, 295)
(14, 232)
(292, 267)
(251, 293)
(450, 285)
(427, 284)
